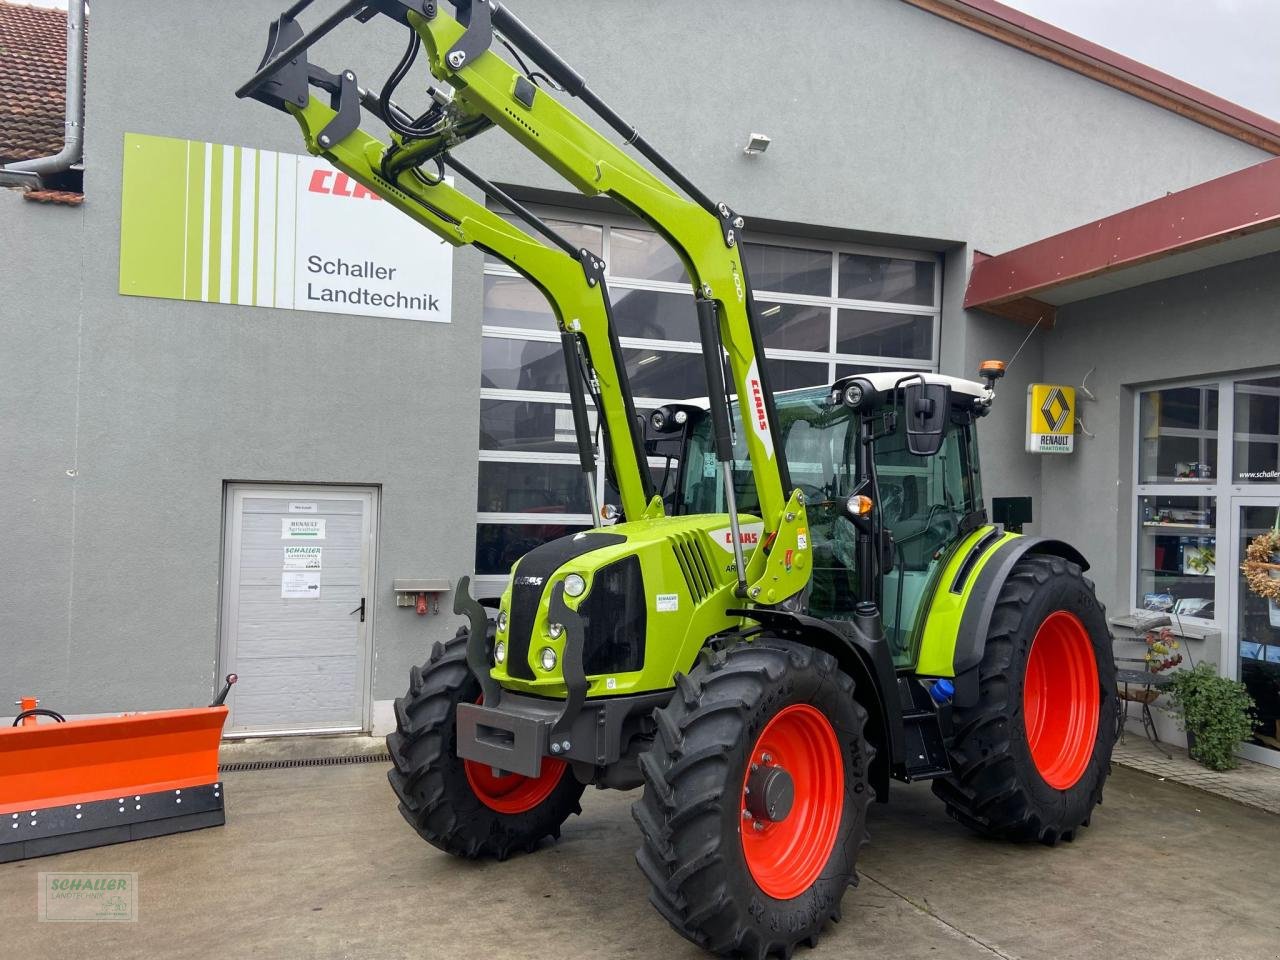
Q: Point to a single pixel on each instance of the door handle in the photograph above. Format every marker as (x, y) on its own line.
(359, 609)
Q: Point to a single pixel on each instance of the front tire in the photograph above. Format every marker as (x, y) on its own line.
(755, 799)
(457, 805)
(1030, 758)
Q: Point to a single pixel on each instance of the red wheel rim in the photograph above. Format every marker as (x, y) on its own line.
(786, 857)
(1060, 700)
(513, 793)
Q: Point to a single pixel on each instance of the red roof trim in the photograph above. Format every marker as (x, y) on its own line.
(1106, 66)
(1239, 203)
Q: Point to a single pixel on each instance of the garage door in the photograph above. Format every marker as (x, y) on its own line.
(295, 613)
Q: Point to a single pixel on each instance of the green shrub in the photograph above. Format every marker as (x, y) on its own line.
(1216, 712)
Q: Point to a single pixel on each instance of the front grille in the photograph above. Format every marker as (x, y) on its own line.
(613, 619)
(694, 565)
(530, 579)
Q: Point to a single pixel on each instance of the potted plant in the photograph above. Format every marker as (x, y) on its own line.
(1217, 714)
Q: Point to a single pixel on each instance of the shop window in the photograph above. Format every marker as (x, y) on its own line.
(884, 334)
(1179, 435)
(530, 487)
(654, 314)
(888, 279)
(643, 255)
(528, 426)
(1257, 431)
(788, 269)
(1177, 555)
(794, 326)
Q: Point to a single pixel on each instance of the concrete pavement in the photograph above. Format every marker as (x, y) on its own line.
(316, 862)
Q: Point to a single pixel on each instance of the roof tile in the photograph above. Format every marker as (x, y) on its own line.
(33, 49)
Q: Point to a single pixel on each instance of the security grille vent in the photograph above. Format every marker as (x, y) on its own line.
(694, 565)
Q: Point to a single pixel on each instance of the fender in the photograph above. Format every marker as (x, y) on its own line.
(971, 639)
(868, 661)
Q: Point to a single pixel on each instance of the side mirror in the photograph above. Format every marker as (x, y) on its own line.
(927, 407)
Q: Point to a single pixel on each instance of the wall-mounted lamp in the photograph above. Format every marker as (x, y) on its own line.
(756, 143)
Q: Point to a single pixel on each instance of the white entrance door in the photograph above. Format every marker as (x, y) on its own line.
(1253, 630)
(296, 616)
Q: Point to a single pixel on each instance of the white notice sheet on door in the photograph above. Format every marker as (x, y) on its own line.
(300, 585)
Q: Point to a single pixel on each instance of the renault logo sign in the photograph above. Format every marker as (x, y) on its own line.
(1051, 418)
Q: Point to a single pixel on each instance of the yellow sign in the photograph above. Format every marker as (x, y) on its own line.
(1051, 418)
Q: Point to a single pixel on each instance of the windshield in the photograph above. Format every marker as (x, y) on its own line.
(817, 437)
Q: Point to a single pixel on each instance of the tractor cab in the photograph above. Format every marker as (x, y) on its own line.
(855, 440)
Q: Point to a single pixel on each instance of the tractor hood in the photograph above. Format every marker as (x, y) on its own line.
(666, 579)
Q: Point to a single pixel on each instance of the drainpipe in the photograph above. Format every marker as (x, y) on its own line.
(32, 172)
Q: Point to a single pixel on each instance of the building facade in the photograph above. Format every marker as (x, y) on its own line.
(161, 453)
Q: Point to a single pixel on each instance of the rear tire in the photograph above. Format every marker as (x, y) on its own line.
(455, 805)
(1030, 758)
(709, 865)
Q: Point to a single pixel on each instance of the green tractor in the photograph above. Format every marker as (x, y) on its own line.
(812, 605)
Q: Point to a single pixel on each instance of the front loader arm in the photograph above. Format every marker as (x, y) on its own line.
(706, 235)
(573, 287)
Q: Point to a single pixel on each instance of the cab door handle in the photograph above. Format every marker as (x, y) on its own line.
(359, 609)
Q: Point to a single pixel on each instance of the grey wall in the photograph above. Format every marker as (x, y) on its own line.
(1217, 321)
(884, 118)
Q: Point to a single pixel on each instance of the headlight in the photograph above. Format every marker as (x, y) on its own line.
(500, 651)
(502, 621)
(574, 585)
(548, 659)
(680, 416)
(852, 395)
(555, 630)
(657, 420)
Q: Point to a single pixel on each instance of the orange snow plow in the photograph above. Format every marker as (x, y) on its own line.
(71, 784)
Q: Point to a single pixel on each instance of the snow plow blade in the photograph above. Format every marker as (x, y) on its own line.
(87, 783)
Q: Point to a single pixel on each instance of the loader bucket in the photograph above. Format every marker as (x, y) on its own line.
(86, 783)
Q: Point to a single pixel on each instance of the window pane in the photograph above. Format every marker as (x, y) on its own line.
(1259, 633)
(643, 255)
(1176, 555)
(884, 334)
(528, 426)
(522, 365)
(1257, 431)
(789, 326)
(518, 487)
(1179, 431)
(849, 369)
(788, 269)
(653, 315)
(579, 234)
(515, 302)
(792, 374)
(499, 545)
(886, 278)
(665, 376)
